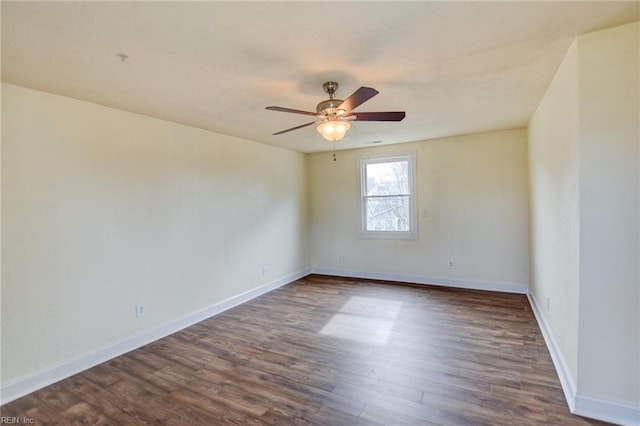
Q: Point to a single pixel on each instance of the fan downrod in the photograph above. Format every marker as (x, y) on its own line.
(329, 106)
(330, 87)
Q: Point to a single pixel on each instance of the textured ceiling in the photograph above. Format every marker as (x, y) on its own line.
(454, 67)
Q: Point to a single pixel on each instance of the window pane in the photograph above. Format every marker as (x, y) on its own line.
(387, 213)
(390, 178)
(387, 185)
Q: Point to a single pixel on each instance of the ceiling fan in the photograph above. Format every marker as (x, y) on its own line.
(334, 115)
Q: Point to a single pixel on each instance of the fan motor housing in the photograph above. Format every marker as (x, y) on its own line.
(329, 104)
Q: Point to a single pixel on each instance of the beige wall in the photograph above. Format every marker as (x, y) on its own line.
(472, 208)
(103, 209)
(609, 361)
(585, 194)
(554, 208)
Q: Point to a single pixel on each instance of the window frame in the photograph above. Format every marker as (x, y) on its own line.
(410, 157)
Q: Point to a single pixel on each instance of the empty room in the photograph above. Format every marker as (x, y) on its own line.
(322, 213)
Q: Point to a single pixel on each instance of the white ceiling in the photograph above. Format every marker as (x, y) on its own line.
(454, 67)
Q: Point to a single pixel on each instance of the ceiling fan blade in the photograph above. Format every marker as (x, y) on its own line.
(295, 128)
(357, 98)
(295, 111)
(378, 116)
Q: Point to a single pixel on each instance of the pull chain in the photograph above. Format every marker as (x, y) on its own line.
(334, 151)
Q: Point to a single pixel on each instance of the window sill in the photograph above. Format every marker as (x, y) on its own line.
(389, 235)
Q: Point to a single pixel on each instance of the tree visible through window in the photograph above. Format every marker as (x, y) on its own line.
(387, 196)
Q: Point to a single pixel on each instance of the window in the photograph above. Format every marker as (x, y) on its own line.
(387, 188)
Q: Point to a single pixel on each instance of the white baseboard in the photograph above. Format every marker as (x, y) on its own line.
(566, 381)
(582, 405)
(24, 385)
(415, 279)
(608, 411)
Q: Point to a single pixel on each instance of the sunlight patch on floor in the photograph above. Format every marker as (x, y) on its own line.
(364, 319)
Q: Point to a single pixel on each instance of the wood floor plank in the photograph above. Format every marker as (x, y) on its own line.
(330, 416)
(383, 416)
(328, 351)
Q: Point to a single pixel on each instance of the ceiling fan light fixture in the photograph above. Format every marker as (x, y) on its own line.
(332, 114)
(333, 130)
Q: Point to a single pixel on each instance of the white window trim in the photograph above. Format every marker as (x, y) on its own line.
(412, 233)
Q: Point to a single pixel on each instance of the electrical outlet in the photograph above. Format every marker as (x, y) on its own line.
(141, 310)
(265, 270)
(451, 264)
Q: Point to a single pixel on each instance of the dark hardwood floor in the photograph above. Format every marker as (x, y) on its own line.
(328, 351)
